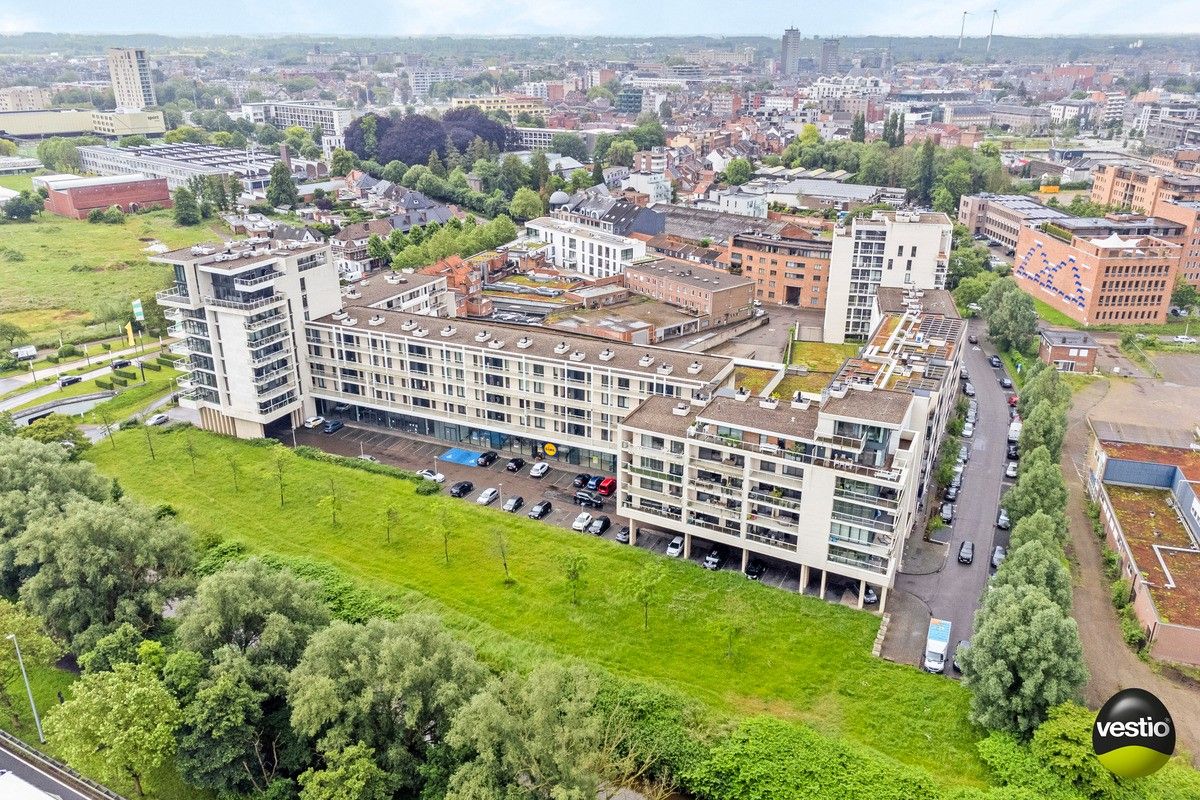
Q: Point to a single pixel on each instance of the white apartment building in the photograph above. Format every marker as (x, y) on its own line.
(904, 249)
(24, 98)
(655, 185)
(825, 88)
(308, 114)
(584, 249)
(421, 79)
(130, 73)
(239, 310)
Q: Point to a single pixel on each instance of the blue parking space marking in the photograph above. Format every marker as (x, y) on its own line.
(457, 455)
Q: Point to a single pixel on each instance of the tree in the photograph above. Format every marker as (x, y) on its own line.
(642, 586)
(394, 171)
(922, 187)
(341, 162)
(966, 262)
(391, 516)
(1063, 745)
(526, 204)
(738, 171)
(411, 139)
(1024, 658)
(186, 134)
(100, 564)
(1048, 529)
(218, 736)
(1013, 325)
(190, 449)
(621, 153)
(502, 552)
(1185, 295)
(858, 128)
(279, 465)
(331, 502)
(378, 250)
(117, 725)
(1040, 487)
(349, 774)
(186, 210)
(1037, 565)
(262, 613)
(1045, 426)
(391, 685)
(540, 733)
(10, 332)
(1043, 385)
(118, 647)
(281, 191)
(570, 145)
(54, 430)
(23, 207)
(37, 649)
(539, 169)
(574, 564)
(235, 471)
(597, 173)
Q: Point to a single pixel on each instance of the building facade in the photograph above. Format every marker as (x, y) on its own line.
(712, 294)
(903, 249)
(789, 267)
(1068, 351)
(1141, 188)
(308, 114)
(178, 163)
(509, 104)
(1000, 217)
(130, 73)
(24, 98)
(70, 122)
(79, 197)
(585, 249)
(789, 51)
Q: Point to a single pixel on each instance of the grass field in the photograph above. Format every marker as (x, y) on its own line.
(17, 182)
(797, 657)
(821, 357)
(752, 378)
(1050, 314)
(55, 272)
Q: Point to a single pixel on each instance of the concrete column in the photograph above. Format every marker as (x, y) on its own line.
(803, 578)
(633, 533)
(745, 558)
(862, 590)
(883, 595)
(824, 575)
(687, 545)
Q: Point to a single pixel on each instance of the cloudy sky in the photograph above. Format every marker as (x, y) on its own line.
(574, 17)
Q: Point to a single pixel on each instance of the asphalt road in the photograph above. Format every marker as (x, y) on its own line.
(34, 775)
(953, 592)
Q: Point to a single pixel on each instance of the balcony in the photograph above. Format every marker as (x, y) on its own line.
(245, 305)
(265, 322)
(884, 524)
(176, 297)
(866, 499)
(651, 473)
(278, 403)
(258, 344)
(725, 529)
(270, 391)
(267, 358)
(771, 499)
(256, 281)
(267, 377)
(757, 533)
(843, 442)
(658, 512)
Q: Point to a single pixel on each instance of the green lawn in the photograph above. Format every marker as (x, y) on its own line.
(17, 182)
(822, 357)
(1050, 314)
(752, 378)
(812, 382)
(797, 657)
(127, 401)
(55, 272)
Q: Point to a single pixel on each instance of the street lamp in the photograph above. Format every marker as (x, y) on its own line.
(29, 690)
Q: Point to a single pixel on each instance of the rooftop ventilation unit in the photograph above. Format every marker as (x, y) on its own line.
(664, 369)
(375, 320)
(421, 332)
(578, 355)
(694, 368)
(606, 355)
(448, 330)
(524, 342)
(408, 325)
(646, 360)
(680, 409)
(561, 348)
(496, 344)
(482, 336)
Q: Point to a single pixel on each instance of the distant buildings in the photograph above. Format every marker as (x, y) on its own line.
(711, 294)
(508, 103)
(541, 138)
(24, 98)
(73, 122)
(77, 197)
(180, 162)
(1141, 187)
(1068, 351)
(585, 249)
(790, 265)
(130, 73)
(829, 56)
(902, 249)
(308, 114)
(789, 51)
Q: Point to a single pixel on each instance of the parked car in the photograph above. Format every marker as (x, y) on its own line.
(1181, 339)
(342, 408)
(67, 380)
(998, 556)
(488, 496)
(870, 596)
(487, 459)
(971, 417)
(951, 493)
(974, 307)
(581, 522)
(947, 513)
(333, 426)
(607, 486)
(964, 375)
(368, 457)
(756, 569)
(995, 361)
(675, 548)
(966, 552)
(594, 482)
(959, 651)
(968, 430)
(117, 363)
(973, 339)
(969, 389)
(1006, 382)
(972, 406)
(585, 498)
(515, 465)
(541, 509)
(581, 480)
(513, 504)
(461, 489)
(1011, 471)
(314, 422)
(599, 525)
(539, 469)
(1002, 521)
(158, 419)
(623, 534)
(1013, 400)
(964, 454)
(430, 475)
(1011, 453)
(714, 560)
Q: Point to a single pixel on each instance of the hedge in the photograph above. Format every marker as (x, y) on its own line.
(315, 454)
(163, 360)
(127, 374)
(103, 384)
(120, 382)
(152, 366)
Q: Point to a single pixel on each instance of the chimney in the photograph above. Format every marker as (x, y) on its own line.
(285, 155)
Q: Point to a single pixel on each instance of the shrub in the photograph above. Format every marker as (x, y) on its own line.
(314, 454)
(127, 374)
(152, 366)
(95, 215)
(52, 359)
(166, 362)
(1132, 631)
(427, 487)
(106, 346)
(1112, 563)
(127, 424)
(101, 383)
(120, 382)
(218, 555)
(1120, 593)
(68, 350)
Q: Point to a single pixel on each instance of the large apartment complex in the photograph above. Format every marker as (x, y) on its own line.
(789, 266)
(1000, 217)
(308, 114)
(1141, 188)
(900, 249)
(130, 73)
(585, 249)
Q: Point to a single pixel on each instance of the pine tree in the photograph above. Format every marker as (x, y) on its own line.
(889, 130)
(899, 130)
(435, 164)
(187, 210)
(281, 191)
(597, 173)
(476, 150)
(858, 129)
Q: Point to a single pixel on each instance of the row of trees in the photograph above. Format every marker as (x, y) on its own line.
(431, 243)
(413, 138)
(1010, 313)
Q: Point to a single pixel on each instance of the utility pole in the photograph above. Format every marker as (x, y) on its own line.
(962, 29)
(12, 637)
(991, 30)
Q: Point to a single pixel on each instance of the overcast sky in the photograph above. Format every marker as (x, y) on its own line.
(623, 17)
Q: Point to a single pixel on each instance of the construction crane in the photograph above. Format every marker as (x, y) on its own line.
(992, 29)
(962, 29)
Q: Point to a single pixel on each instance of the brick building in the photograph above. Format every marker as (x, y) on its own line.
(790, 266)
(1098, 281)
(1186, 213)
(76, 197)
(1141, 188)
(713, 294)
(1068, 351)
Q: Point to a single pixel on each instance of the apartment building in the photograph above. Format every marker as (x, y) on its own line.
(484, 384)
(422, 79)
(1141, 187)
(829, 56)
(827, 482)
(1000, 217)
(541, 138)
(239, 309)
(130, 73)
(1187, 214)
(509, 104)
(178, 163)
(307, 114)
(905, 249)
(711, 294)
(24, 98)
(1096, 278)
(599, 209)
(790, 50)
(584, 249)
(790, 266)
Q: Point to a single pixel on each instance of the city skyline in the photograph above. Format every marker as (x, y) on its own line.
(575, 17)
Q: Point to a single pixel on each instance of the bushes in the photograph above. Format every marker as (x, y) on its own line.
(101, 383)
(313, 454)
(120, 382)
(127, 374)
(427, 487)
(152, 366)
(1120, 593)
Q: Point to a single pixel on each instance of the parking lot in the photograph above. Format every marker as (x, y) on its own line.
(416, 453)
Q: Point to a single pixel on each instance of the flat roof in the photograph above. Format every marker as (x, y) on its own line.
(691, 273)
(657, 414)
(1187, 460)
(1068, 338)
(875, 405)
(783, 419)
(575, 229)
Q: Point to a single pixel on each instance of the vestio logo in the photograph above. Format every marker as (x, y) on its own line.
(1133, 735)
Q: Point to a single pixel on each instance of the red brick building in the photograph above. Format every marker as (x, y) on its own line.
(76, 198)
(1068, 351)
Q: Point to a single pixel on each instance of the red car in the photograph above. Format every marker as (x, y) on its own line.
(607, 486)
(1013, 399)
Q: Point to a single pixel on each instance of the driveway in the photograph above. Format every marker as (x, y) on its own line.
(767, 343)
(952, 591)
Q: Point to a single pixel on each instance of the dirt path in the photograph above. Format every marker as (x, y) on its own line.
(1111, 664)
